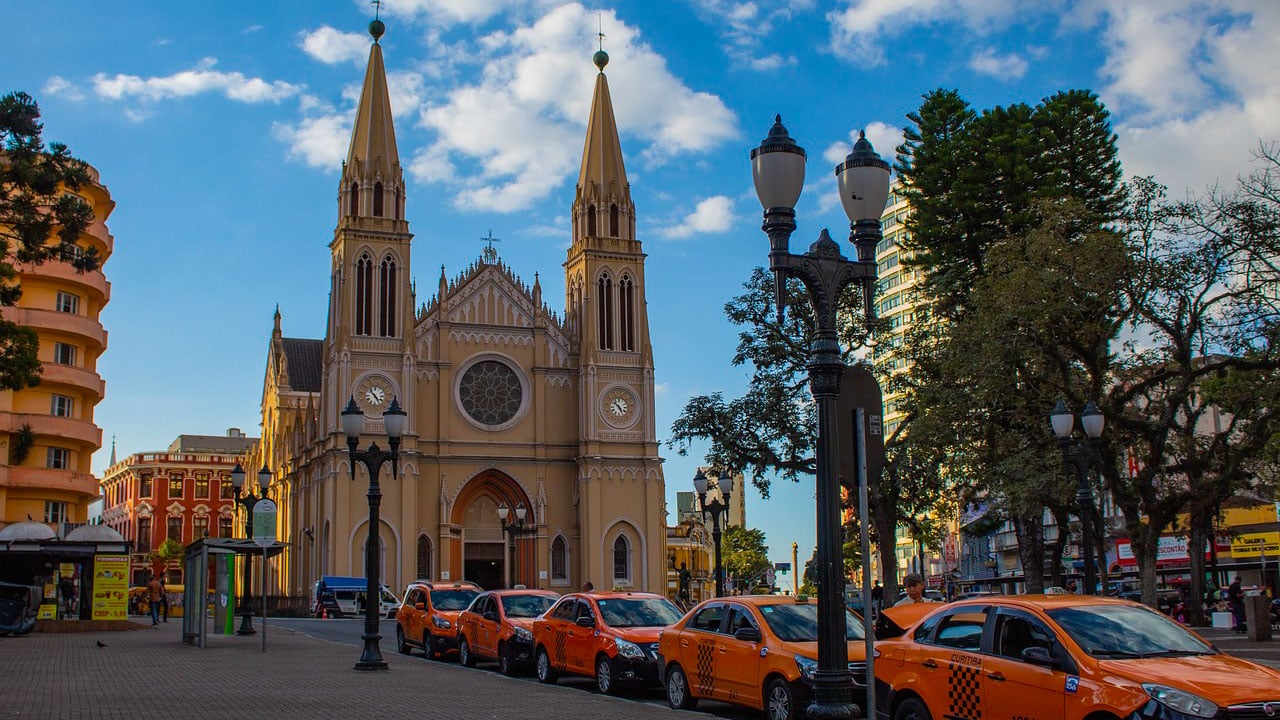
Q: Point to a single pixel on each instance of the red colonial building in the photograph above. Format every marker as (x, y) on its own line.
(181, 494)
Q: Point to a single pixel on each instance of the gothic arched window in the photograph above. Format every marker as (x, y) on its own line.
(354, 200)
(424, 557)
(626, 314)
(604, 301)
(559, 559)
(613, 220)
(591, 220)
(387, 305)
(621, 559)
(377, 199)
(364, 295)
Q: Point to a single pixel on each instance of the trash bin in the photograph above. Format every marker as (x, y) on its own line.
(1257, 617)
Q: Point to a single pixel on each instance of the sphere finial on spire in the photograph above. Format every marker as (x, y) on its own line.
(376, 26)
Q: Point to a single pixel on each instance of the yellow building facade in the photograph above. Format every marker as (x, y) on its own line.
(47, 432)
(509, 403)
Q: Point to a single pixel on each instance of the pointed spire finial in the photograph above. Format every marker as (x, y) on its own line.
(377, 27)
(601, 58)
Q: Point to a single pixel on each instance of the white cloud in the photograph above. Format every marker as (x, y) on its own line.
(861, 26)
(884, 138)
(743, 27)
(513, 136)
(333, 46)
(58, 86)
(1001, 67)
(457, 11)
(712, 215)
(1155, 55)
(200, 79)
(252, 29)
(319, 142)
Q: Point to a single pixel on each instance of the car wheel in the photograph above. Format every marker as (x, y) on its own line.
(542, 665)
(401, 645)
(426, 646)
(465, 658)
(505, 664)
(604, 676)
(779, 701)
(678, 696)
(912, 708)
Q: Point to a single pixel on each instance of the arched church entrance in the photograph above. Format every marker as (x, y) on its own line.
(488, 557)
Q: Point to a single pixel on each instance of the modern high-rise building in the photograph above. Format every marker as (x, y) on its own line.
(47, 433)
(897, 300)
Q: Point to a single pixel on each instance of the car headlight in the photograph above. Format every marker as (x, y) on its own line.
(524, 635)
(628, 649)
(807, 667)
(440, 622)
(1181, 700)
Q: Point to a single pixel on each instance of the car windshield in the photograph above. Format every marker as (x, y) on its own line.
(638, 612)
(799, 623)
(526, 605)
(1126, 631)
(452, 599)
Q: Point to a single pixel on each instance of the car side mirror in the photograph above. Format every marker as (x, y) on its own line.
(491, 616)
(587, 622)
(747, 634)
(1039, 656)
(420, 606)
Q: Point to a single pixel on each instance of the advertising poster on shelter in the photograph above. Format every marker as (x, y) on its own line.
(110, 587)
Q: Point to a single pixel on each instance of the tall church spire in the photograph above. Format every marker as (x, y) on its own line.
(602, 204)
(372, 180)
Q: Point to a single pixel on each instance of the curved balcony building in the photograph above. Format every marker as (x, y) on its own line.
(47, 433)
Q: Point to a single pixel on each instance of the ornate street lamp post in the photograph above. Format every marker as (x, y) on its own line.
(716, 508)
(373, 458)
(514, 531)
(1080, 456)
(778, 170)
(247, 502)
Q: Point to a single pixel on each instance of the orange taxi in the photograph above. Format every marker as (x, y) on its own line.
(612, 636)
(428, 617)
(499, 626)
(1051, 657)
(759, 651)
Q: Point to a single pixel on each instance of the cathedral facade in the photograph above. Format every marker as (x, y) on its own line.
(513, 409)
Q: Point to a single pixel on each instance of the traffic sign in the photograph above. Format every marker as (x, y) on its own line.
(264, 522)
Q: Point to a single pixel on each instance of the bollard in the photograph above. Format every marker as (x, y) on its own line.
(1257, 617)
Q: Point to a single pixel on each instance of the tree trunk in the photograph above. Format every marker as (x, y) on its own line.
(1145, 547)
(1194, 602)
(1057, 570)
(1030, 532)
(886, 527)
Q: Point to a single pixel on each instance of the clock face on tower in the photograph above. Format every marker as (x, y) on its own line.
(373, 394)
(619, 407)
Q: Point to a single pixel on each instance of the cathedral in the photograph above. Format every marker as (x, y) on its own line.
(529, 455)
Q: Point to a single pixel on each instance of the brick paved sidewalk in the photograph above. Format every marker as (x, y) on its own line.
(151, 675)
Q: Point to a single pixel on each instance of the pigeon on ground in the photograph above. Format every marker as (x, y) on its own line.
(101, 644)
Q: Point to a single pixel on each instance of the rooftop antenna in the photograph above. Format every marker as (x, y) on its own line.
(489, 254)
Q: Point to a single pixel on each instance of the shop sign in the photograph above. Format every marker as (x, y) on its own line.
(110, 587)
(1172, 549)
(1251, 545)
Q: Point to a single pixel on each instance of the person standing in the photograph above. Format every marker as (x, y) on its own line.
(877, 597)
(1235, 599)
(155, 593)
(914, 585)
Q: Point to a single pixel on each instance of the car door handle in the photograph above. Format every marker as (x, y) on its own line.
(997, 676)
(929, 664)
(722, 648)
(684, 643)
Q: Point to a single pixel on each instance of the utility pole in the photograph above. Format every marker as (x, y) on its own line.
(795, 568)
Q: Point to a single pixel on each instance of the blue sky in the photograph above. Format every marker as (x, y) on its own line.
(219, 129)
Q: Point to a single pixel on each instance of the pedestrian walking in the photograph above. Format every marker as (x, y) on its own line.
(155, 592)
(1235, 599)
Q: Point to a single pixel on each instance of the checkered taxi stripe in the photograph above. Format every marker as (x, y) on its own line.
(704, 674)
(561, 638)
(964, 697)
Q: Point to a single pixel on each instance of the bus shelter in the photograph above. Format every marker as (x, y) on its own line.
(196, 597)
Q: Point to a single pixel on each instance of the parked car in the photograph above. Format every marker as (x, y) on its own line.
(348, 594)
(612, 636)
(1054, 657)
(428, 617)
(758, 651)
(499, 626)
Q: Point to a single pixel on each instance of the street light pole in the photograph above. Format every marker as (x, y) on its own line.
(514, 530)
(248, 502)
(373, 458)
(778, 171)
(716, 508)
(1080, 456)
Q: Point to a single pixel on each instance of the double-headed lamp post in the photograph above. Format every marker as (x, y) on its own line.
(247, 502)
(777, 167)
(515, 529)
(373, 458)
(717, 508)
(1080, 455)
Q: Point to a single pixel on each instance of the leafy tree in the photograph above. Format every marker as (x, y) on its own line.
(744, 554)
(41, 218)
